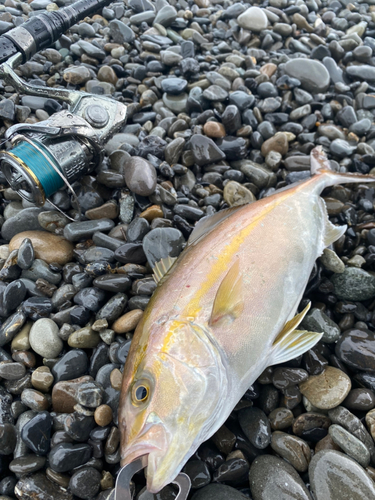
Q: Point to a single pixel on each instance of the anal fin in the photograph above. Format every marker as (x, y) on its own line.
(291, 343)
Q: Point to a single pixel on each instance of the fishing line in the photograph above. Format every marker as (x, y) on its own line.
(40, 166)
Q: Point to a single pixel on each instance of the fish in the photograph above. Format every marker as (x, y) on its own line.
(222, 313)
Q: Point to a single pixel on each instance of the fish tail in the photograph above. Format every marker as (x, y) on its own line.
(320, 166)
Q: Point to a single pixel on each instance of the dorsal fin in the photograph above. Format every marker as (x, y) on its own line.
(162, 267)
(229, 300)
(206, 224)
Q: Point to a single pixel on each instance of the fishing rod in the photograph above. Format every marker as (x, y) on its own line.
(48, 155)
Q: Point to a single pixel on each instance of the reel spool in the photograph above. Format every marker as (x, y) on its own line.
(36, 169)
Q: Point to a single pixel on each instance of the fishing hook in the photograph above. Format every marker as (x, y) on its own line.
(122, 488)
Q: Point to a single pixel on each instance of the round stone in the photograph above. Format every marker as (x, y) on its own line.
(327, 390)
(140, 175)
(44, 338)
(103, 415)
(128, 321)
(48, 247)
(253, 19)
(312, 74)
(42, 379)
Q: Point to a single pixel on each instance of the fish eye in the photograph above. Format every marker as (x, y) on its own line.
(140, 392)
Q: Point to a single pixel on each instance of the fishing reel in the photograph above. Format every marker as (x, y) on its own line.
(48, 155)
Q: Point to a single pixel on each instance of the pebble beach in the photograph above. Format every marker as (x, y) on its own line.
(225, 101)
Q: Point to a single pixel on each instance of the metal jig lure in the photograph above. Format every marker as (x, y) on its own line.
(122, 488)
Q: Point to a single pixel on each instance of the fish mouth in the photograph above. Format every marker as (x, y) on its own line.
(138, 451)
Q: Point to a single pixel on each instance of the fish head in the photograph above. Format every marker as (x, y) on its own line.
(172, 389)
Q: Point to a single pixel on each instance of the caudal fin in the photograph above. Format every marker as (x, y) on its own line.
(320, 166)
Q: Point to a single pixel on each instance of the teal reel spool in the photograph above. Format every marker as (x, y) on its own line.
(39, 167)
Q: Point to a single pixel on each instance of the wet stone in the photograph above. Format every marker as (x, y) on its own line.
(38, 486)
(317, 321)
(360, 399)
(347, 349)
(198, 473)
(72, 365)
(91, 298)
(334, 475)
(77, 231)
(312, 74)
(140, 175)
(268, 475)
(174, 86)
(281, 418)
(36, 433)
(327, 390)
(42, 379)
(350, 444)
(256, 427)
(205, 151)
(27, 464)
(293, 449)
(66, 456)
(79, 426)
(11, 371)
(130, 253)
(161, 243)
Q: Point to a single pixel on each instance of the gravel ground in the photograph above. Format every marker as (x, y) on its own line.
(225, 102)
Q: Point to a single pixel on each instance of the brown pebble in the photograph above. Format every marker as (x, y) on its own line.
(308, 421)
(326, 443)
(47, 246)
(281, 418)
(58, 478)
(362, 399)
(107, 482)
(42, 378)
(103, 415)
(107, 74)
(327, 390)
(334, 207)
(152, 213)
(116, 379)
(214, 129)
(109, 210)
(25, 357)
(128, 321)
(278, 143)
(268, 69)
(64, 394)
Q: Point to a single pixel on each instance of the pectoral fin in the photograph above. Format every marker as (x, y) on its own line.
(229, 300)
(292, 345)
